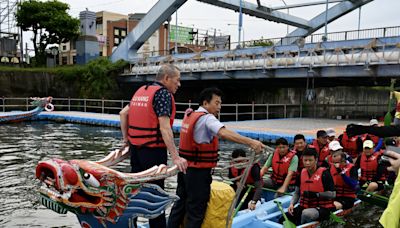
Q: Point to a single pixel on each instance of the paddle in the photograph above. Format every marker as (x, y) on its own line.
(374, 199)
(287, 223)
(388, 117)
(336, 218)
(242, 200)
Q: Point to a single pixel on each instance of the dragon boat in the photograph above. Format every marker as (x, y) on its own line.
(19, 116)
(268, 215)
(101, 196)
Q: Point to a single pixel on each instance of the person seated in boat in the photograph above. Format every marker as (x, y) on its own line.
(331, 134)
(334, 146)
(372, 174)
(300, 146)
(391, 176)
(284, 166)
(321, 145)
(345, 177)
(352, 144)
(253, 179)
(378, 142)
(315, 189)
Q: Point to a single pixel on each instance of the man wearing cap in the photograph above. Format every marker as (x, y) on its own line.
(331, 134)
(345, 177)
(378, 142)
(321, 146)
(334, 149)
(372, 177)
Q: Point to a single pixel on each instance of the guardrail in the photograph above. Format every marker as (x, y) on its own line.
(229, 112)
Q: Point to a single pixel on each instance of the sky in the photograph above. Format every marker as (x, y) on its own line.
(378, 13)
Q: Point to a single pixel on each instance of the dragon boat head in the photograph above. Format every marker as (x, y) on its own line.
(41, 102)
(99, 195)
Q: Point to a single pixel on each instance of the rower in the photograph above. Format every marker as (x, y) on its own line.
(352, 145)
(315, 189)
(334, 146)
(253, 178)
(321, 145)
(300, 146)
(284, 166)
(345, 177)
(372, 177)
(331, 134)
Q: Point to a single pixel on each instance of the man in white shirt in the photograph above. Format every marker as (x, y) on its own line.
(199, 146)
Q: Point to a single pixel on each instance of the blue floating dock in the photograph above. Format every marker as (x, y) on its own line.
(263, 130)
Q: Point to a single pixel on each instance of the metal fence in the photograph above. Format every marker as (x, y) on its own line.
(229, 112)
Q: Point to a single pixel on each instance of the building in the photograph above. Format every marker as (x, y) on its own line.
(112, 28)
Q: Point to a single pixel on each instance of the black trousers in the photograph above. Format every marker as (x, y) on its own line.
(143, 158)
(194, 192)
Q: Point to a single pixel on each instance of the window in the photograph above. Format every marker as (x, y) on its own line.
(64, 47)
(119, 35)
(74, 59)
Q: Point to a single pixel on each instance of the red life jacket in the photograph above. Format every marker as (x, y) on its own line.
(144, 127)
(313, 184)
(301, 164)
(342, 189)
(373, 138)
(369, 166)
(322, 152)
(398, 107)
(249, 179)
(280, 167)
(350, 145)
(197, 155)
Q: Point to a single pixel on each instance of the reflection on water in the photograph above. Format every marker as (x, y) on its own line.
(22, 145)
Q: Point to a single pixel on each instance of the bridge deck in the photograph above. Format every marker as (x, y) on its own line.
(265, 130)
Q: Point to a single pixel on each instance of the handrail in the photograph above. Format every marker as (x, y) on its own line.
(231, 112)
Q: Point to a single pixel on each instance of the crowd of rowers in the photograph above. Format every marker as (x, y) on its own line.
(323, 175)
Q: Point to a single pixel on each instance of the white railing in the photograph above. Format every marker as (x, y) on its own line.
(231, 112)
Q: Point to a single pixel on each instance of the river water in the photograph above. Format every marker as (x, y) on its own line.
(22, 145)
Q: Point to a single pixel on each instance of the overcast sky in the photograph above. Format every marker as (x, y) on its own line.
(378, 13)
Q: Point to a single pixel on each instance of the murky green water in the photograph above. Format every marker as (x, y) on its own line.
(22, 145)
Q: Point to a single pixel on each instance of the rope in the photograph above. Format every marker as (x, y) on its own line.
(250, 160)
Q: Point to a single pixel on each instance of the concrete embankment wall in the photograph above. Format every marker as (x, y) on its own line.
(329, 102)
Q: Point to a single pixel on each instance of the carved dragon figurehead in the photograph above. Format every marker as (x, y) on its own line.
(43, 103)
(99, 195)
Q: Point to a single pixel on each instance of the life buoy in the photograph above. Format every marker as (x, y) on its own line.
(49, 107)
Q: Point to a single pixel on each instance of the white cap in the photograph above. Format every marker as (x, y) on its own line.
(373, 122)
(330, 132)
(368, 144)
(334, 145)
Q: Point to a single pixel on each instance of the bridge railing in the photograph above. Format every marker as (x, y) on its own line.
(229, 112)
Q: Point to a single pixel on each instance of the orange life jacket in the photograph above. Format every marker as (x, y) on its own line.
(322, 152)
(197, 155)
(249, 179)
(144, 127)
(342, 189)
(313, 184)
(373, 138)
(280, 167)
(350, 145)
(369, 166)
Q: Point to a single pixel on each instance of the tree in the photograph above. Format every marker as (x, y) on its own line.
(49, 22)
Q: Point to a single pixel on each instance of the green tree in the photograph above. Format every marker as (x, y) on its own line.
(49, 22)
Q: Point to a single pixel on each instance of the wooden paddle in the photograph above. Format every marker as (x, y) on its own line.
(388, 117)
(287, 223)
